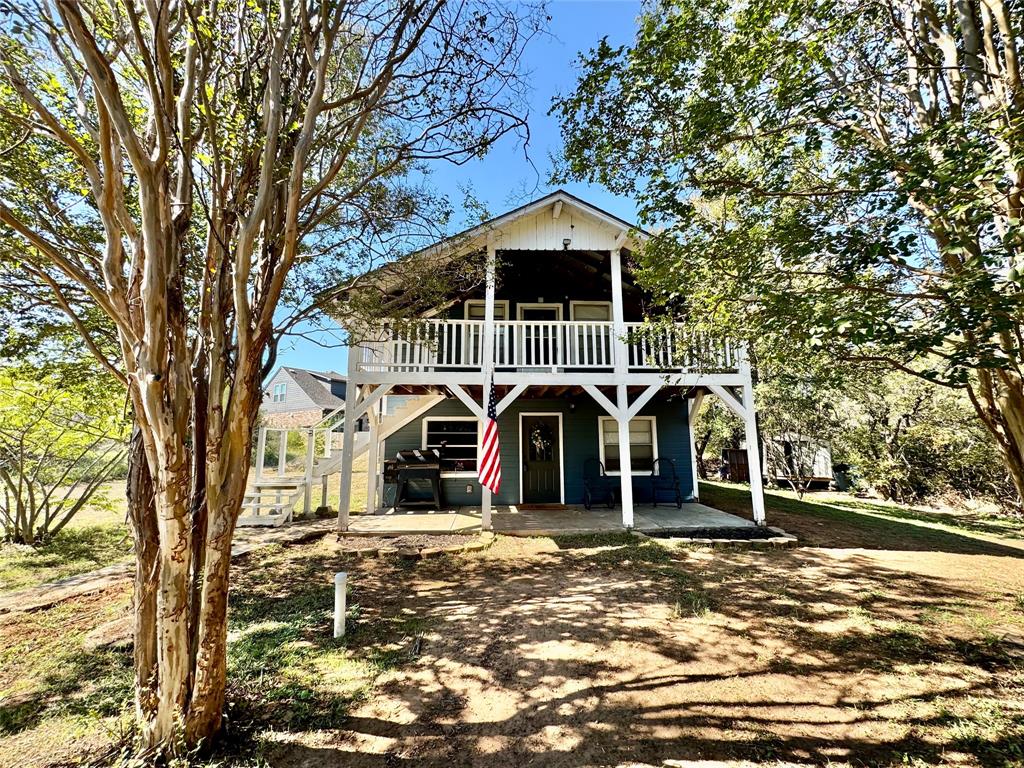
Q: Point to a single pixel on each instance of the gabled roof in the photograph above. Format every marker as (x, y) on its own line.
(476, 236)
(310, 383)
(543, 224)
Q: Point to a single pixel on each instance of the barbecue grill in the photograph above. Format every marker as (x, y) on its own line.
(410, 467)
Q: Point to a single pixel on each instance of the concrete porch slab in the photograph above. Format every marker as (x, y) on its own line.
(414, 523)
(646, 519)
(513, 521)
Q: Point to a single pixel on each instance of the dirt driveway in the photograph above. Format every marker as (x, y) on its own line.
(598, 651)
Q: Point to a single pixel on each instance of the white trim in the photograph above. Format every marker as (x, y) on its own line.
(538, 305)
(644, 398)
(483, 303)
(423, 442)
(600, 443)
(573, 304)
(561, 452)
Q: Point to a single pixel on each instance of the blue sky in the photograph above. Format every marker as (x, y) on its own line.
(505, 179)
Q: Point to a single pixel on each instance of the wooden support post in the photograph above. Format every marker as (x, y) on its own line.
(373, 461)
(693, 408)
(282, 451)
(751, 438)
(347, 443)
(307, 479)
(261, 452)
(487, 357)
(753, 455)
(621, 361)
(625, 458)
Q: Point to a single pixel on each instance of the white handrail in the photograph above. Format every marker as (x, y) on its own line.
(429, 345)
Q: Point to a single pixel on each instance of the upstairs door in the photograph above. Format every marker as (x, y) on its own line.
(540, 338)
(540, 437)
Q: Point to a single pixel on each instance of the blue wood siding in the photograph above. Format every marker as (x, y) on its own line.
(580, 436)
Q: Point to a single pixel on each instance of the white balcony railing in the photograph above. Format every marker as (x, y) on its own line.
(430, 345)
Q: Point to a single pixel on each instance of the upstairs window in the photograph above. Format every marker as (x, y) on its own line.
(475, 309)
(458, 440)
(594, 311)
(643, 445)
(280, 393)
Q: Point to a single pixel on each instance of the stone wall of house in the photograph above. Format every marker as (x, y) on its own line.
(292, 419)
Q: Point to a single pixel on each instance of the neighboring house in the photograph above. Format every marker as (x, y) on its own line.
(557, 326)
(295, 397)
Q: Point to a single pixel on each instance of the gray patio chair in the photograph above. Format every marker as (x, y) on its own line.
(597, 485)
(664, 478)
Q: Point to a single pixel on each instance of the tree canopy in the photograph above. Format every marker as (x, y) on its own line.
(843, 175)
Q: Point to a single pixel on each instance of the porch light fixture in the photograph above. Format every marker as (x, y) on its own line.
(566, 243)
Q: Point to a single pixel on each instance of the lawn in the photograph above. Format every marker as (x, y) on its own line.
(838, 520)
(98, 536)
(95, 537)
(572, 652)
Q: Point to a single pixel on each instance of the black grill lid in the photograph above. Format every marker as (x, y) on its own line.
(417, 456)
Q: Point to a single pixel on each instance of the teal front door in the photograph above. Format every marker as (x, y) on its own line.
(542, 460)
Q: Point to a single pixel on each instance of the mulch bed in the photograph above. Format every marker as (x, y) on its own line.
(744, 533)
(410, 541)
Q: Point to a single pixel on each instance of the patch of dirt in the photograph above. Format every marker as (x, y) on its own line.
(566, 658)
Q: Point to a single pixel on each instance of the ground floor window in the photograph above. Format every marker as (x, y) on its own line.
(643, 445)
(458, 441)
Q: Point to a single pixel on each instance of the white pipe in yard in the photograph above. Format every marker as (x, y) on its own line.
(339, 603)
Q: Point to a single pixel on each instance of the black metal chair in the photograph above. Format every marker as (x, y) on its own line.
(664, 478)
(597, 485)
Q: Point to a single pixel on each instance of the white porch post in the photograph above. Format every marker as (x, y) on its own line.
(693, 408)
(307, 478)
(282, 451)
(487, 359)
(750, 436)
(621, 359)
(625, 458)
(373, 460)
(261, 452)
(348, 441)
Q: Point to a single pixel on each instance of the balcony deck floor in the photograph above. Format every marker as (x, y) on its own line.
(513, 521)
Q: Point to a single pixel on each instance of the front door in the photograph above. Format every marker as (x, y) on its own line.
(542, 461)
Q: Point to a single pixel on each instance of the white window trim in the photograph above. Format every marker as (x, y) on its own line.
(654, 439)
(483, 303)
(279, 396)
(561, 452)
(423, 441)
(539, 305)
(572, 310)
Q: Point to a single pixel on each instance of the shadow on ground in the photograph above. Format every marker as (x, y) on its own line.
(636, 653)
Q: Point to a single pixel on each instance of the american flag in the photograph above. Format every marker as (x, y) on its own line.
(490, 466)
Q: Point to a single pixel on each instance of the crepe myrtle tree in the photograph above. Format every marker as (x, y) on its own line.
(188, 167)
(845, 174)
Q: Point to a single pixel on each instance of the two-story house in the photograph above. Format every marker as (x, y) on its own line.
(558, 326)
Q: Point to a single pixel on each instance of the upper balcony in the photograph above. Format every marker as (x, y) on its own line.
(549, 345)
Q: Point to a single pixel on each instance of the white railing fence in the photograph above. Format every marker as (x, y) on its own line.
(457, 344)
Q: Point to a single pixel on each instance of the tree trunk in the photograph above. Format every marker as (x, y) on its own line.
(999, 401)
(702, 445)
(142, 514)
